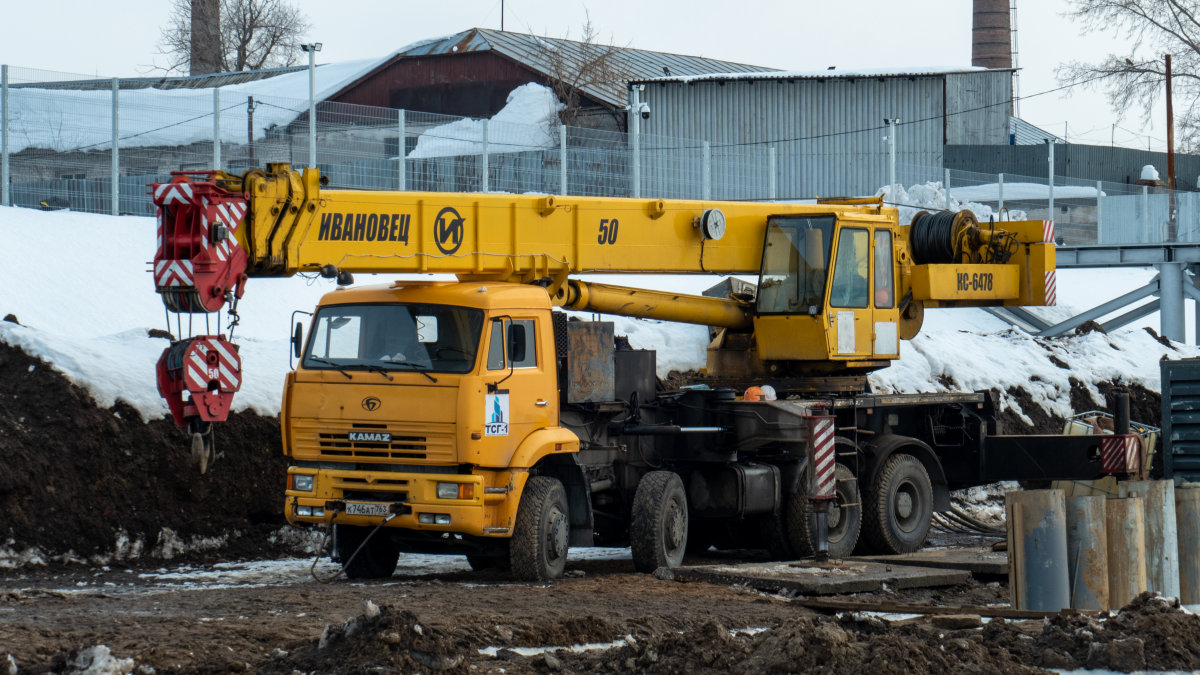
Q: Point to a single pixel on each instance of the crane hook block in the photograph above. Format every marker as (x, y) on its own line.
(208, 369)
(198, 258)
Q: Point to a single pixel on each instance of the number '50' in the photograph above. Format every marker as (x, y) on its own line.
(608, 231)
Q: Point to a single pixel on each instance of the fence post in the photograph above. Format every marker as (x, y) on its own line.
(1050, 180)
(484, 163)
(401, 150)
(116, 151)
(635, 143)
(216, 129)
(562, 159)
(1099, 201)
(1000, 190)
(706, 168)
(1146, 216)
(946, 184)
(771, 187)
(5, 197)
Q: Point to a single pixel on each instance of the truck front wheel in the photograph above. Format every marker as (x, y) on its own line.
(374, 559)
(658, 529)
(899, 506)
(538, 550)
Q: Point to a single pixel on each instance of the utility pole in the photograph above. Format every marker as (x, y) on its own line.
(1171, 224)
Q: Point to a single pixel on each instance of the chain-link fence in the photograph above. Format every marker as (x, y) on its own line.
(74, 141)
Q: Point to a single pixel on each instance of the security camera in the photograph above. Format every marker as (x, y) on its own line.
(644, 110)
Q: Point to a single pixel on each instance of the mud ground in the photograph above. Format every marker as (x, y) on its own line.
(106, 506)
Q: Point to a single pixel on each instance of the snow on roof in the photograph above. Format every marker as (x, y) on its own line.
(72, 119)
(829, 73)
(99, 338)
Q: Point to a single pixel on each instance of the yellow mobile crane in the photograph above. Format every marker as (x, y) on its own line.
(470, 416)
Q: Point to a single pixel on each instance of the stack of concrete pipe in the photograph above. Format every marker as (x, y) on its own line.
(1100, 552)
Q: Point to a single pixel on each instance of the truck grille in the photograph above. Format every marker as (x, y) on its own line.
(430, 442)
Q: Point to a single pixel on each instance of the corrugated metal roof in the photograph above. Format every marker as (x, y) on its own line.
(533, 51)
(185, 82)
(1025, 133)
(830, 73)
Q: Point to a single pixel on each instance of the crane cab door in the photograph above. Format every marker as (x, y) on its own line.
(520, 381)
(862, 304)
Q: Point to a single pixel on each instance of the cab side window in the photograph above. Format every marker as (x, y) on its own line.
(512, 344)
(850, 270)
(885, 295)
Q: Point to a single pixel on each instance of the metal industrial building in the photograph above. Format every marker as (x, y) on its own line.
(828, 128)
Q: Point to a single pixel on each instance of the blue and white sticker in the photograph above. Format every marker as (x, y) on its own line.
(495, 415)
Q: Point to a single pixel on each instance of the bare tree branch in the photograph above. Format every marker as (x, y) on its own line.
(1135, 81)
(254, 34)
(572, 70)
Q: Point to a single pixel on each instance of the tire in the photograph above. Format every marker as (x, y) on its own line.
(899, 506)
(376, 560)
(538, 549)
(844, 516)
(658, 528)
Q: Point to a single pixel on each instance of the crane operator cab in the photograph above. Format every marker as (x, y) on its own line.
(827, 294)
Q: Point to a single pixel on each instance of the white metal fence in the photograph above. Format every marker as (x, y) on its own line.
(70, 141)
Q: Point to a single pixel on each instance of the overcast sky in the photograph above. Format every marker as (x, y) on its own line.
(120, 39)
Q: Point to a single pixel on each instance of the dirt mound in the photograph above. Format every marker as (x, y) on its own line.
(75, 477)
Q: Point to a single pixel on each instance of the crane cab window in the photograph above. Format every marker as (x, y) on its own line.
(795, 264)
(885, 293)
(849, 288)
(512, 344)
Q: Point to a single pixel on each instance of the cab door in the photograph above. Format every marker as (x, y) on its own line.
(520, 389)
(850, 314)
(886, 342)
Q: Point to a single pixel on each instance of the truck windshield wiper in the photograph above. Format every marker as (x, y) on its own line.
(339, 367)
(413, 366)
(378, 369)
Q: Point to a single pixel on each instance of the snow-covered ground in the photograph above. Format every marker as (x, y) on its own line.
(80, 286)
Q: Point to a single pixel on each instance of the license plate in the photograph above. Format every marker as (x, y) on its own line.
(356, 509)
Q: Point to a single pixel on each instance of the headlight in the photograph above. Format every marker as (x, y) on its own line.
(302, 482)
(304, 511)
(447, 490)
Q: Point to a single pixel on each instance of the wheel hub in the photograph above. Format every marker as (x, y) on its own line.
(676, 528)
(557, 535)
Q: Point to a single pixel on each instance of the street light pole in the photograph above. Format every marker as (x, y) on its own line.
(312, 49)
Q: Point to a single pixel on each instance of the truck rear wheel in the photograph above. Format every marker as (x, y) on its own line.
(538, 549)
(658, 529)
(844, 516)
(374, 560)
(899, 506)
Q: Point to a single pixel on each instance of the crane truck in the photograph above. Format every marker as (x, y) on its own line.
(476, 416)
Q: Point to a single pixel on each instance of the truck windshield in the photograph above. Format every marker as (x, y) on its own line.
(795, 264)
(400, 337)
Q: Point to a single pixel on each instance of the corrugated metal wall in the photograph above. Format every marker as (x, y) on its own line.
(1090, 162)
(829, 133)
(977, 107)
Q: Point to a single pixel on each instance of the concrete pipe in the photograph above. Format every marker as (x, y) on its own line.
(1162, 540)
(1037, 550)
(1187, 520)
(1087, 552)
(1126, 549)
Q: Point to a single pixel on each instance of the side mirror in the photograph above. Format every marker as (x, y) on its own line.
(516, 342)
(297, 340)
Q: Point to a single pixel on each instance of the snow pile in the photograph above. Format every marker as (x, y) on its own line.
(527, 122)
(932, 197)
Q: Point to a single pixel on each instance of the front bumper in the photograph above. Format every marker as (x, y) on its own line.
(481, 506)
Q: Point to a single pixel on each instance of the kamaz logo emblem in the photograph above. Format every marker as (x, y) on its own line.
(448, 230)
(371, 404)
(370, 437)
